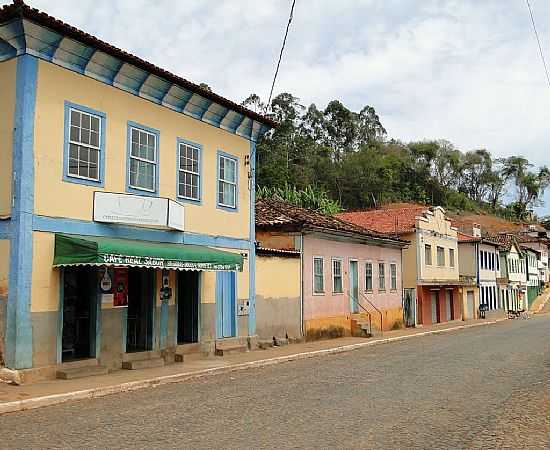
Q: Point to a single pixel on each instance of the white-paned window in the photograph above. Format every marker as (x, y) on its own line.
(440, 256)
(337, 285)
(143, 160)
(84, 145)
(452, 257)
(189, 171)
(318, 275)
(227, 181)
(381, 276)
(368, 277)
(393, 277)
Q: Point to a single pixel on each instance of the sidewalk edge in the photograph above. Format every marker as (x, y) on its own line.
(55, 399)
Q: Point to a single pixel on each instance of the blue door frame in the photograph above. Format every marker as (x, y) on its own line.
(226, 304)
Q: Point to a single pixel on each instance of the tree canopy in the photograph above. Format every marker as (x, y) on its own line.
(347, 157)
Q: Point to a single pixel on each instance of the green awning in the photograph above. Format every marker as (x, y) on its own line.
(73, 250)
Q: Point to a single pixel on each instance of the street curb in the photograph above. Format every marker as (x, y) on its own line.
(55, 399)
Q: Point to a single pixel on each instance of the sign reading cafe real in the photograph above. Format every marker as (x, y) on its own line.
(160, 263)
(110, 207)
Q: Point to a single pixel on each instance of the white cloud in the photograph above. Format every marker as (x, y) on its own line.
(463, 70)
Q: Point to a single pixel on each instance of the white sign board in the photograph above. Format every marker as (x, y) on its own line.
(175, 215)
(141, 210)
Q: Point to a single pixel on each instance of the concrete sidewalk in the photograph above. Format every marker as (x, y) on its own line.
(17, 398)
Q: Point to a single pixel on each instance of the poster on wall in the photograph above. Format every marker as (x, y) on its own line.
(120, 289)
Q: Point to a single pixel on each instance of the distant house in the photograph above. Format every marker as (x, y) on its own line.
(513, 273)
(432, 288)
(538, 240)
(349, 275)
(532, 258)
(479, 265)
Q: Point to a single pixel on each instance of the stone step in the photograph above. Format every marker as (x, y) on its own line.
(139, 356)
(184, 349)
(88, 362)
(230, 350)
(143, 363)
(81, 372)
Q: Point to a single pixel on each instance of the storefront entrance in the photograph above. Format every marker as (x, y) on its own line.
(141, 294)
(188, 307)
(80, 297)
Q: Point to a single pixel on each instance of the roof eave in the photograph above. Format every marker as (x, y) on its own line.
(19, 10)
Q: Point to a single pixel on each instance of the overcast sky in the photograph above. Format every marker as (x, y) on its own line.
(464, 70)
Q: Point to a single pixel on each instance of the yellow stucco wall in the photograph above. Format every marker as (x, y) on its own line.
(45, 279)
(277, 277)
(467, 259)
(7, 110)
(208, 282)
(4, 266)
(464, 300)
(57, 85)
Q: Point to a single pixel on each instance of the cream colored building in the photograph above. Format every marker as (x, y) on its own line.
(430, 264)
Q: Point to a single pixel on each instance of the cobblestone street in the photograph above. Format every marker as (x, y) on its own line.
(485, 387)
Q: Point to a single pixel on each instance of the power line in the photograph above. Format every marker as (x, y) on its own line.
(538, 41)
(280, 55)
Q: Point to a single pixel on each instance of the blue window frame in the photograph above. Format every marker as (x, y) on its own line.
(227, 182)
(189, 171)
(142, 161)
(84, 145)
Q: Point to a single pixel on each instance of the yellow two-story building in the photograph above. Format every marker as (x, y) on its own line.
(126, 226)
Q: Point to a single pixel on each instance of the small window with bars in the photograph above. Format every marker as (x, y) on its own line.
(368, 277)
(318, 275)
(381, 276)
(393, 277)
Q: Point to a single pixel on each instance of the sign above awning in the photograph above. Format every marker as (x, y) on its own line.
(111, 207)
(74, 250)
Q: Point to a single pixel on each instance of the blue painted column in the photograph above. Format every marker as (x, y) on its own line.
(252, 253)
(18, 343)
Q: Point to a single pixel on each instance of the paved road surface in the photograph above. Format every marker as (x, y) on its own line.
(486, 387)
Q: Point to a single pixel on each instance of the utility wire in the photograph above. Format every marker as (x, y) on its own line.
(280, 55)
(538, 41)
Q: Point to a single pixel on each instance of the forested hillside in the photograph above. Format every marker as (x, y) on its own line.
(348, 158)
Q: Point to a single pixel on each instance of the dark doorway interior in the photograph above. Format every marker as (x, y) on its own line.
(141, 290)
(188, 307)
(80, 292)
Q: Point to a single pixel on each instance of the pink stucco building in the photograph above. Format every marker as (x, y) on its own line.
(350, 277)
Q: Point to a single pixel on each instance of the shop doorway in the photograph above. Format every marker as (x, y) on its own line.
(141, 294)
(188, 307)
(80, 297)
(449, 305)
(435, 306)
